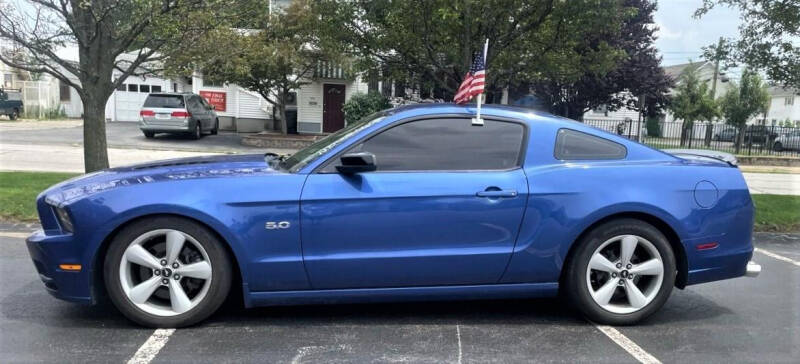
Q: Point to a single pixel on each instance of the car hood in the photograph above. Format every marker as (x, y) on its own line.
(155, 172)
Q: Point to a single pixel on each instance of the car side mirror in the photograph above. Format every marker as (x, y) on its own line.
(353, 163)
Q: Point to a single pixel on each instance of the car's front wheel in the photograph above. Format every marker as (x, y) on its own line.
(622, 272)
(167, 272)
(778, 147)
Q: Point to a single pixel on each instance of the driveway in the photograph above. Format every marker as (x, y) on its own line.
(733, 321)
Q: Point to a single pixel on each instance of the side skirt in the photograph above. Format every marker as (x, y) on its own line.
(375, 295)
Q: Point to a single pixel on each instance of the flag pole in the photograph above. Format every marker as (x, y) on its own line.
(477, 120)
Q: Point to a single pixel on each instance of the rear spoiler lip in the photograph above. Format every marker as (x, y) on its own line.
(728, 158)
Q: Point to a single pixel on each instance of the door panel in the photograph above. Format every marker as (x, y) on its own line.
(394, 229)
(332, 103)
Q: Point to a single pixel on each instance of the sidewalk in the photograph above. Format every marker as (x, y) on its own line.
(773, 183)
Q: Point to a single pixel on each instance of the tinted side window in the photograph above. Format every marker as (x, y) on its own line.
(444, 144)
(575, 145)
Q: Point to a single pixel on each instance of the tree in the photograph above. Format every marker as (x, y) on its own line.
(126, 36)
(433, 42)
(692, 102)
(277, 55)
(743, 101)
(633, 79)
(767, 37)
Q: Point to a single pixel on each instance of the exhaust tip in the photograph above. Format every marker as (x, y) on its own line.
(753, 269)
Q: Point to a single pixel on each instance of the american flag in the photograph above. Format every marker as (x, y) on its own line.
(473, 81)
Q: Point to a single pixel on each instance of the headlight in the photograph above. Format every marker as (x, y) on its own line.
(63, 219)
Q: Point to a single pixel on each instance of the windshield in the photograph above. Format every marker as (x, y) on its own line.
(307, 155)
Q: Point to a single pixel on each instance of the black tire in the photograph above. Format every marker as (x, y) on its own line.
(778, 147)
(198, 131)
(219, 260)
(216, 127)
(716, 138)
(575, 277)
(148, 134)
(14, 114)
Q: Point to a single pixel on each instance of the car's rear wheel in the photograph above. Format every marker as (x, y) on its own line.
(622, 272)
(167, 272)
(778, 147)
(149, 134)
(198, 132)
(216, 127)
(14, 114)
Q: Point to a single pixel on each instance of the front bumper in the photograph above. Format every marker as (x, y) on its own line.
(47, 252)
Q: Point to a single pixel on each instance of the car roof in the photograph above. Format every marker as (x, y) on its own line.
(171, 94)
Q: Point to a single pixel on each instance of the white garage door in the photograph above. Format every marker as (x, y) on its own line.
(128, 103)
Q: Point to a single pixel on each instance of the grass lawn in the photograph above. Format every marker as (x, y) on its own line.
(18, 191)
(777, 212)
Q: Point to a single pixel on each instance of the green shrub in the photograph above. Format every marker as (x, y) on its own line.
(361, 105)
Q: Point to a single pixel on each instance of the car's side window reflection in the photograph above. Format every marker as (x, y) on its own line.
(443, 145)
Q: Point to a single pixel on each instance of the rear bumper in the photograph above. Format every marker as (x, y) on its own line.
(720, 264)
(161, 128)
(47, 252)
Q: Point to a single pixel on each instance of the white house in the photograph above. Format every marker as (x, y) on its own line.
(784, 106)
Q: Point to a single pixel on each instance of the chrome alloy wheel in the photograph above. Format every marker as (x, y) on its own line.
(625, 274)
(165, 272)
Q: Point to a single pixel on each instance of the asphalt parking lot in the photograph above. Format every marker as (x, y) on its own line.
(740, 320)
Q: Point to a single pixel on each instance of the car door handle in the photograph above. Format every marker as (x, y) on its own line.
(497, 193)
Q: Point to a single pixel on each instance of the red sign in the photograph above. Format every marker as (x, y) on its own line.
(215, 99)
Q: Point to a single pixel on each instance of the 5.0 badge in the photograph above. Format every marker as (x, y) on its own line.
(271, 225)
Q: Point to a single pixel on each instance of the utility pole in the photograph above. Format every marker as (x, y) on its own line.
(717, 56)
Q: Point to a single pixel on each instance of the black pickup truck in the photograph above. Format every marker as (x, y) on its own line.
(11, 103)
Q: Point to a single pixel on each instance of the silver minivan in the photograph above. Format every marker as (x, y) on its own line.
(177, 113)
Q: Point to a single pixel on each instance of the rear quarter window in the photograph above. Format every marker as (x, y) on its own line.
(165, 101)
(576, 145)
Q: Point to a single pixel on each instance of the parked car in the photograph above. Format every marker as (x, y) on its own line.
(759, 134)
(726, 135)
(788, 141)
(413, 203)
(11, 103)
(185, 113)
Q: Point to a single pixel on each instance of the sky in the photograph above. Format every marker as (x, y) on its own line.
(681, 36)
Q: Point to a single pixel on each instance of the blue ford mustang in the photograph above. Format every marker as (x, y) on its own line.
(414, 203)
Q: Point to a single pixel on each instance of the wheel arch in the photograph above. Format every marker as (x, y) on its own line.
(98, 288)
(665, 228)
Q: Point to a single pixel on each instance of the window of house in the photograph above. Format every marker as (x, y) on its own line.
(133, 87)
(575, 145)
(444, 145)
(122, 87)
(8, 79)
(144, 88)
(155, 88)
(789, 100)
(63, 91)
(602, 109)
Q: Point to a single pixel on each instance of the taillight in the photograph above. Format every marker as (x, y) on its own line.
(147, 113)
(181, 114)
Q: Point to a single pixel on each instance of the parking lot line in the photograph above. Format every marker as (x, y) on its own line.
(458, 335)
(151, 347)
(14, 234)
(777, 256)
(631, 347)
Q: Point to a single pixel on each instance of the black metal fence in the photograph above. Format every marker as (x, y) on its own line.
(755, 139)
